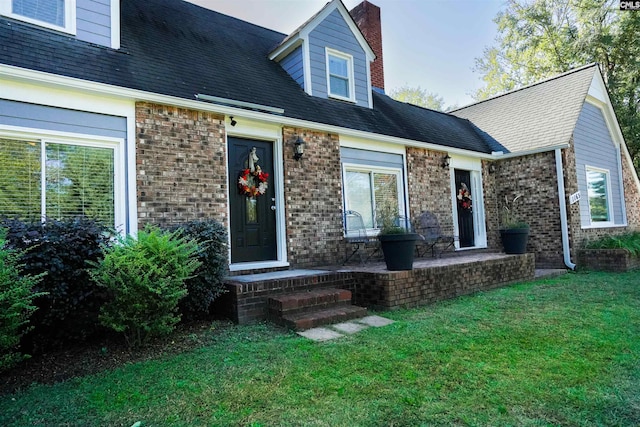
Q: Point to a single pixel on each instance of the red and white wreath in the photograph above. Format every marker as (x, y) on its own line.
(254, 183)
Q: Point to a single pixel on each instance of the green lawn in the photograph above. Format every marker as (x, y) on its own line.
(562, 351)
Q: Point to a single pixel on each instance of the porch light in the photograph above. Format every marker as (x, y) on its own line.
(298, 149)
(446, 161)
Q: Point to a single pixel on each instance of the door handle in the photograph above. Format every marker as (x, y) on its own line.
(273, 208)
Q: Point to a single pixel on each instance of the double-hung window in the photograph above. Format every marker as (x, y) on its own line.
(55, 14)
(60, 179)
(599, 195)
(340, 81)
(367, 190)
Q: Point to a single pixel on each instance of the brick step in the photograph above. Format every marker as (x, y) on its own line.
(312, 300)
(314, 319)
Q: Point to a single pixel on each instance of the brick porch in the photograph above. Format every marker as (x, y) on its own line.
(373, 286)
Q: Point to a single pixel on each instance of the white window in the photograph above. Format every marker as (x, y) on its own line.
(599, 195)
(366, 190)
(54, 14)
(58, 179)
(340, 81)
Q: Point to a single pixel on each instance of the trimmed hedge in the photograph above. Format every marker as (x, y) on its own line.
(207, 282)
(145, 280)
(69, 310)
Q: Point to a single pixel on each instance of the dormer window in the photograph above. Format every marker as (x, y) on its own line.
(340, 80)
(55, 14)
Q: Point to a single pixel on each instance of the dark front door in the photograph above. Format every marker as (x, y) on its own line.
(464, 201)
(253, 218)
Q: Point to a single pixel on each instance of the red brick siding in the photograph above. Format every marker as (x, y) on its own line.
(534, 178)
(313, 199)
(367, 16)
(429, 185)
(181, 165)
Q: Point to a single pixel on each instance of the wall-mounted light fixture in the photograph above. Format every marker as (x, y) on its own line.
(298, 148)
(232, 121)
(446, 161)
(492, 167)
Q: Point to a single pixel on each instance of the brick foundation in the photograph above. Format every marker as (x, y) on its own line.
(421, 286)
(614, 260)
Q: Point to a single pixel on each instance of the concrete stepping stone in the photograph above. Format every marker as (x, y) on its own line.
(375, 321)
(320, 334)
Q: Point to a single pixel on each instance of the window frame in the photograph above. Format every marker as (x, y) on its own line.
(371, 170)
(609, 196)
(117, 145)
(6, 9)
(350, 74)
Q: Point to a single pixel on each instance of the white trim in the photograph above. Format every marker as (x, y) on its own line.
(328, 52)
(474, 166)
(55, 137)
(243, 266)
(499, 155)
(115, 24)
(303, 31)
(69, 16)
(366, 144)
(271, 133)
(607, 173)
(372, 169)
(623, 201)
(113, 92)
(306, 66)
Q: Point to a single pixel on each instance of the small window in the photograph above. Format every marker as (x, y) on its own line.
(340, 75)
(367, 190)
(599, 192)
(55, 14)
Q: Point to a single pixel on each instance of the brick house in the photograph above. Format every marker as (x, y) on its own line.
(160, 106)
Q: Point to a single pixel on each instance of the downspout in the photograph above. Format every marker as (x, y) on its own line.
(564, 223)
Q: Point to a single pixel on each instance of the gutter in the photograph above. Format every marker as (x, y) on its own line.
(564, 223)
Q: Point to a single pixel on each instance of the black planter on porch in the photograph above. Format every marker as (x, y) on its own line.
(398, 250)
(514, 240)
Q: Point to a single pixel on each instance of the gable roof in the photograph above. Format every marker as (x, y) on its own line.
(175, 48)
(295, 38)
(541, 115)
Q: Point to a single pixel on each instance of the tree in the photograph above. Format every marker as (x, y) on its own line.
(538, 39)
(418, 96)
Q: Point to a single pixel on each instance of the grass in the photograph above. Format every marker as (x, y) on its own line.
(562, 351)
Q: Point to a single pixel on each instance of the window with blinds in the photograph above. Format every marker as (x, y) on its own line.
(56, 180)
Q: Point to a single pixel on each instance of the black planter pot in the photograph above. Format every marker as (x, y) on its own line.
(514, 240)
(398, 250)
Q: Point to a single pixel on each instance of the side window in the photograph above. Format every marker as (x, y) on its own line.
(54, 14)
(340, 80)
(599, 194)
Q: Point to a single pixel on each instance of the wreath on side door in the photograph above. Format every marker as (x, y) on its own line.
(252, 181)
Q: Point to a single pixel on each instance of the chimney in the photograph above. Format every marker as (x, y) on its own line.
(367, 16)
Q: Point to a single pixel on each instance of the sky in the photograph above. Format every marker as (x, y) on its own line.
(430, 44)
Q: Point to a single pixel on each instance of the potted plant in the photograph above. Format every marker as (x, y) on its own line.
(514, 232)
(396, 239)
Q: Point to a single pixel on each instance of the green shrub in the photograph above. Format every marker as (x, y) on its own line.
(628, 241)
(69, 310)
(16, 304)
(207, 282)
(145, 278)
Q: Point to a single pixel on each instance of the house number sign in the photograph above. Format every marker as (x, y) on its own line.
(574, 198)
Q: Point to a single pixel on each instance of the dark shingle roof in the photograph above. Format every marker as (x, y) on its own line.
(175, 48)
(537, 116)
